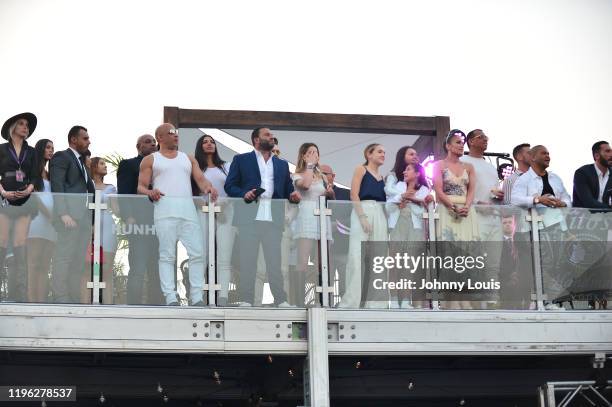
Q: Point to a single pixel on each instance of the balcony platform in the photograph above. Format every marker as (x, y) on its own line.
(88, 328)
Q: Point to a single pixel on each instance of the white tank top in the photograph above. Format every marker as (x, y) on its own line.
(172, 176)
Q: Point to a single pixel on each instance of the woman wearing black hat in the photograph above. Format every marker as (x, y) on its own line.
(17, 183)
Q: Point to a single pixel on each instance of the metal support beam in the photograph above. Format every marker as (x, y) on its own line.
(534, 218)
(323, 212)
(95, 284)
(318, 361)
(211, 286)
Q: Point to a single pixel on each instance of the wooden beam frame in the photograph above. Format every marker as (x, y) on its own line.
(430, 126)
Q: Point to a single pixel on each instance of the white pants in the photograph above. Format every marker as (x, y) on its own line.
(378, 221)
(170, 231)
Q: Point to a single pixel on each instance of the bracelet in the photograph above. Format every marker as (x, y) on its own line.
(363, 216)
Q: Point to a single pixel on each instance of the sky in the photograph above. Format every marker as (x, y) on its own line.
(522, 70)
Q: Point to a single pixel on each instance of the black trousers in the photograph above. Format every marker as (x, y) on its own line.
(143, 259)
(250, 237)
(69, 261)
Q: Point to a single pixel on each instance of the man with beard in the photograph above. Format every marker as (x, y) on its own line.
(592, 182)
(262, 180)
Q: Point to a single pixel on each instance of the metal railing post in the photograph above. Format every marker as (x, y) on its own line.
(96, 284)
(323, 212)
(211, 286)
(534, 218)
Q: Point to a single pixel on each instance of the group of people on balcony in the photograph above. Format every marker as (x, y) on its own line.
(382, 209)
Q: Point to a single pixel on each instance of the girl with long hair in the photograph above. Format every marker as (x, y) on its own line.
(109, 237)
(311, 184)
(216, 169)
(405, 207)
(42, 235)
(368, 223)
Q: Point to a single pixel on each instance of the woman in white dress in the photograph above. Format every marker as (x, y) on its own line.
(406, 202)
(310, 183)
(42, 235)
(215, 170)
(109, 236)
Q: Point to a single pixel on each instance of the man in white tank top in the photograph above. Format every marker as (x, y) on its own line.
(175, 216)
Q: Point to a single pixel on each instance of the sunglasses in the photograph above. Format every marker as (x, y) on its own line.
(173, 131)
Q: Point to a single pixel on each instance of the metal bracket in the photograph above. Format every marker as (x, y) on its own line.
(326, 212)
(210, 330)
(206, 208)
(96, 284)
(96, 205)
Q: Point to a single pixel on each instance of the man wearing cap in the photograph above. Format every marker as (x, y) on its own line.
(17, 162)
(486, 193)
(70, 182)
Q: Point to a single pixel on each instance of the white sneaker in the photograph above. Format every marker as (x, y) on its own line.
(285, 304)
(376, 304)
(406, 305)
(394, 305)
(244, 304)
(553, 307)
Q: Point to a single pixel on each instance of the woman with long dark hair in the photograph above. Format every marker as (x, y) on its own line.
(405, 207)
(404, 156)
(42, 235)
(216, 169)
(17, 184)
(368, 223)
(311, 184)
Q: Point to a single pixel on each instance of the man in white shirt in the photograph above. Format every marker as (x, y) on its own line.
(545, 191)
(486, 193)
(260, 176)
(592, 182)
(521, 156)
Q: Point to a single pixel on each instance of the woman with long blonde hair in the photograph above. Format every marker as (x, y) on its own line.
(368, 224)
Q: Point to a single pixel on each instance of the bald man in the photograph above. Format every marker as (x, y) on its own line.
(170, 172)
(137, 214)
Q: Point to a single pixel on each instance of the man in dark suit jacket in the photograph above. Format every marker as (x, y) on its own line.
(70, 182)
(592, 182)
(137, 213)
(261, 222)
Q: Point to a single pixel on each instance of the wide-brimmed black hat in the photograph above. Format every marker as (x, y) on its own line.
(27, 115)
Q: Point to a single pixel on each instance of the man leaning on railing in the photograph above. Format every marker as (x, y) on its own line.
(540, 189)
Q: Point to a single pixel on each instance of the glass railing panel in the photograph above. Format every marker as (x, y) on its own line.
(131, 252)
(484, 258)
(268, 257)
(45, 249)
(575, 252)
(360, 234)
